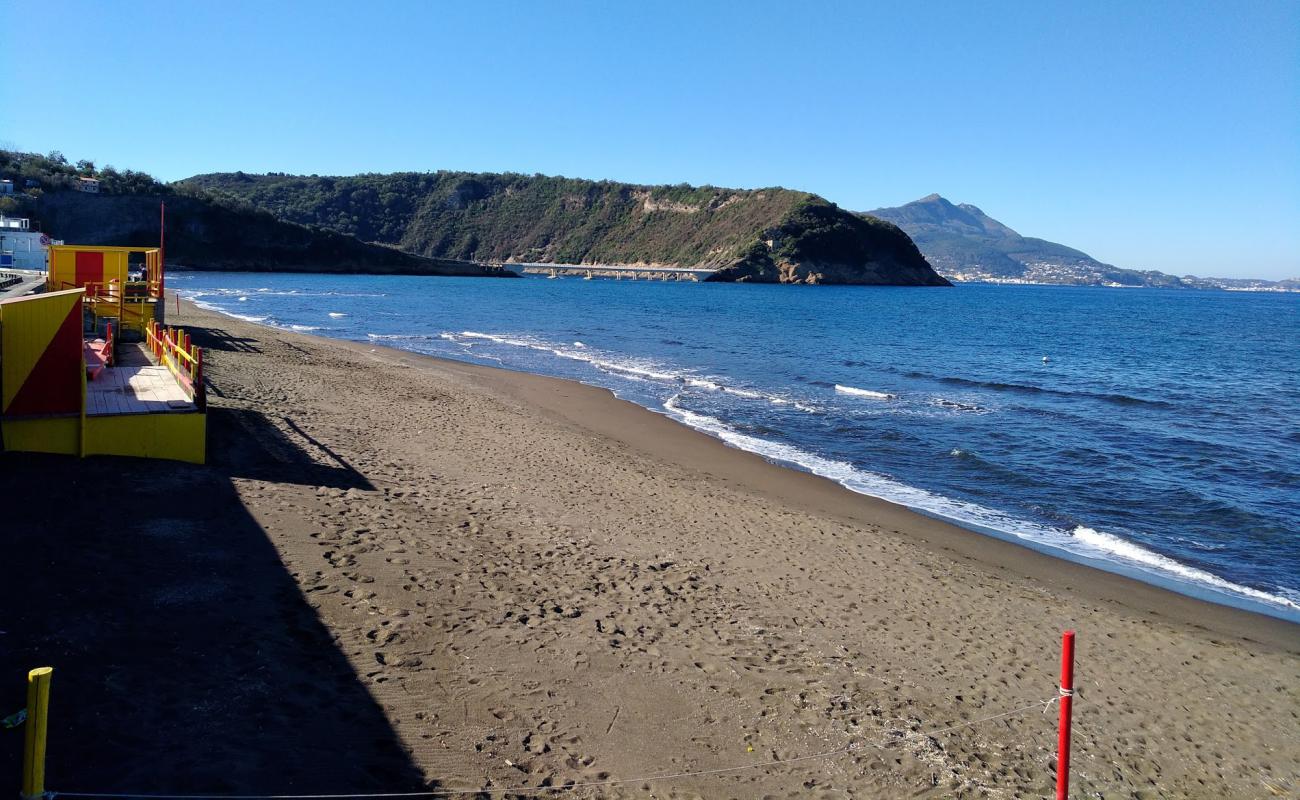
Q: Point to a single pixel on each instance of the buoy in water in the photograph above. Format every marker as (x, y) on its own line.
(1046, 359)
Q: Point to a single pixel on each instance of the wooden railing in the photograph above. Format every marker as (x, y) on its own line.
(172, 347)
(110, 291)
(95, 290)
(111, 299)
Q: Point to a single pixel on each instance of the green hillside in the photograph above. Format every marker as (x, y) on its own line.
(203, 232)
(764, 235)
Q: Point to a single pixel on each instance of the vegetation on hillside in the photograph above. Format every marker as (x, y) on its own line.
(540, 219)
(512, 217)
(453, 222)
(54, 172)
(203, 231)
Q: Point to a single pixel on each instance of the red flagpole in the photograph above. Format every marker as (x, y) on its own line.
(1067, 697)
(162, 247)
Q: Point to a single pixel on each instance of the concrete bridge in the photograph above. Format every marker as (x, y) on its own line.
(615, 272)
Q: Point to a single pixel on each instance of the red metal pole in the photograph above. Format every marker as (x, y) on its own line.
(162, 251)
(1067, 696)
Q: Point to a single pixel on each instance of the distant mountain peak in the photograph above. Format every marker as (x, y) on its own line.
(967, 243)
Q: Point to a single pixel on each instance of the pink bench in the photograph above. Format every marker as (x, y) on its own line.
(97, 357)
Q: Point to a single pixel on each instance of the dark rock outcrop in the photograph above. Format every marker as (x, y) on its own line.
(819, 243)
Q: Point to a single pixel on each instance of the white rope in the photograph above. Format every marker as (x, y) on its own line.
(565, 787)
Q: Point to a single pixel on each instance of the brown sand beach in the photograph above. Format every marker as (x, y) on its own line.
(398, 572)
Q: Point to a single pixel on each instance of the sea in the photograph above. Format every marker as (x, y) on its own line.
(1153, 433)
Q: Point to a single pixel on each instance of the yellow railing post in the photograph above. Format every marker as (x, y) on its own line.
(38, 707)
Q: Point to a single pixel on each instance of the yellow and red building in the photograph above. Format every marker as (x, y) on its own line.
(149, 402)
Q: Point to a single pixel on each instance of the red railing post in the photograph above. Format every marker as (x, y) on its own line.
(200, 394)
(1067, 696)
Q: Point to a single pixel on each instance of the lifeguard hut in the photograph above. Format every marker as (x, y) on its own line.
(123, 285)
(62, 393)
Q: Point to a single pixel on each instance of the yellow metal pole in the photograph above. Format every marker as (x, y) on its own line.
(38, 706)
(81, 429)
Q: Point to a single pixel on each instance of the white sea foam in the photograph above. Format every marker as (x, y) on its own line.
(1084, 542)
(627, 367)
(752, 395)
(716, 385)
(856, 392)
(304, 327)
(337, 314)
(194, 298)
(1124, 550)
(243, 299)
(635, 369)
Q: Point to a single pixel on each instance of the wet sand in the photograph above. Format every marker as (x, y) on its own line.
(511, 580)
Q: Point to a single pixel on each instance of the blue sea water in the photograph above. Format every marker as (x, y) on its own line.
(1151, 432)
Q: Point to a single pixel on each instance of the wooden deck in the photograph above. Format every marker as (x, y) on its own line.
(135, 386)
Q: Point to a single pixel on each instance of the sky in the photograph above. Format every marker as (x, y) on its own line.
(1151, 135)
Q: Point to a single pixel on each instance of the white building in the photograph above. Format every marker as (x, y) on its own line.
(20, 246)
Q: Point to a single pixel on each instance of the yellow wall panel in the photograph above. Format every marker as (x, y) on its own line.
(27, 325)
(49, 435)
(178, 437)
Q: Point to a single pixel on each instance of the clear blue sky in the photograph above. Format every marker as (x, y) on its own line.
(1153, 135)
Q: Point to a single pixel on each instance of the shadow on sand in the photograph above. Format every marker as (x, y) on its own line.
(250, 444)
(218, 339)
(186, 658)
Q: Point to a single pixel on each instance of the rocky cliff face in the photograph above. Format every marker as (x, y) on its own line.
(819, 243)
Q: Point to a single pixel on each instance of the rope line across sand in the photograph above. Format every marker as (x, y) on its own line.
(522, 790)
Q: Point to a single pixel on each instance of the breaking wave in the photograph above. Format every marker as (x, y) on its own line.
(856, 392)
